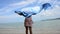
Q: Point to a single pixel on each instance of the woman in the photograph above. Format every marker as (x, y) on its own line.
(28, 24)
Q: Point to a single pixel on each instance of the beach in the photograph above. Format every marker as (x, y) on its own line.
(39, 27)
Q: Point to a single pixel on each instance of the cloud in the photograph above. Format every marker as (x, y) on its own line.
(11, 18)
(12, 7)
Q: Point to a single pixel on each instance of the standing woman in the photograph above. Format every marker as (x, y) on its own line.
(28, 24)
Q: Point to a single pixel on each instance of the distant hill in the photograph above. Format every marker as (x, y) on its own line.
(51, 19)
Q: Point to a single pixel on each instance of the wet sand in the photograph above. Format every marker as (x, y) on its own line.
(35, 31)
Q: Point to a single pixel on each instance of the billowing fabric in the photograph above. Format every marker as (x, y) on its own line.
(29, 11)
(46, 6)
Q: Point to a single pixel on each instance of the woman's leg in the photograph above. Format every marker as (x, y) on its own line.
(26, 29)
(30, 29)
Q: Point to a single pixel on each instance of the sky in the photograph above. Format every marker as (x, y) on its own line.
(7, 8)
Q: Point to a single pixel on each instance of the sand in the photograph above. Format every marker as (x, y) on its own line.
(35, 31)
(21, 31)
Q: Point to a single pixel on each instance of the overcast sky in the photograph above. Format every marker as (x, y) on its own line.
(7, 8)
